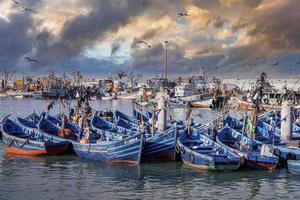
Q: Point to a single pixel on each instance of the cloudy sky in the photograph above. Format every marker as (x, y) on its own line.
(99, 36)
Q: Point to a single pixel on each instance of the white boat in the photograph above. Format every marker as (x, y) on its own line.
(3, 95)
(202, 103)
(128, 96)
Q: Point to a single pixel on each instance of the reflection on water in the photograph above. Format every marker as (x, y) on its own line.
(68, 177)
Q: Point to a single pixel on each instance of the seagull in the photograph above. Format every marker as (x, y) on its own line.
(29, 10)
(144, 42)
(16, 2)
(31, 59)
(50, 106)
(180, 14)
(24, 8)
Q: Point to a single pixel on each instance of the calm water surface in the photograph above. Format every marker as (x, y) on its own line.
(68, 177)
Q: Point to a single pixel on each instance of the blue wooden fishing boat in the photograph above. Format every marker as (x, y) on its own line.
(25, 143)
(275, 118)
(32, 126)
(104, 147)
(140, 116)
(129, 121)
(272, 136)
(119, 114)
(200, 152)
(74, 128)
(294, 166)
(262, 135)
(100, 124)
(266, 134)
(159, 146)
(248, 148)
(118, 150)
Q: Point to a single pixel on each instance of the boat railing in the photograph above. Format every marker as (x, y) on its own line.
(217, 123)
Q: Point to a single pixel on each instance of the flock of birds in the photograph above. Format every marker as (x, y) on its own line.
(25, 9)
(179, 15)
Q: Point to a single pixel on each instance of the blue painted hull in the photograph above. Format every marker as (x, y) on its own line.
(29, 144)
(248, 148)
(158, 147)
(161, 147)
(202, 153)
(286, 153)
(124, 151)
(265, 135)
(42, 135)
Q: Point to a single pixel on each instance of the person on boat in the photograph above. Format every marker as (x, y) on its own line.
(214, 134)
(170, 119)
(71, 113)
(102, 136)
(89, 134)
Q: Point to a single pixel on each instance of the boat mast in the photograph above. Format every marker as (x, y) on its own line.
(256, 101)
(166, 64)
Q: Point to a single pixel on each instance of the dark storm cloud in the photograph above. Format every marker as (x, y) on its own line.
(153, 60)
(14, 39)
(269, 28)
(85, 30)
(270, 31)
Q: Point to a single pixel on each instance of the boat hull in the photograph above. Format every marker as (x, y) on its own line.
(46, 137)
(160, 147)
(232, 167)
(27, 147)
(128, 151)
(250, 151)
(261, 164)
(202, 162)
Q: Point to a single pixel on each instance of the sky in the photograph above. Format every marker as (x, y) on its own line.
(227, 37)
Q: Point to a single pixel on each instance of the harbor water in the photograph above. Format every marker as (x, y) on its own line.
(68, 177)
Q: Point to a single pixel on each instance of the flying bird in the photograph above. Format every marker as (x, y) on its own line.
(181, 14)
(16, 2)
(144, 42)
(31, 59)
(24, 9)
(276, 63)
(50, 106)
(29, 10)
